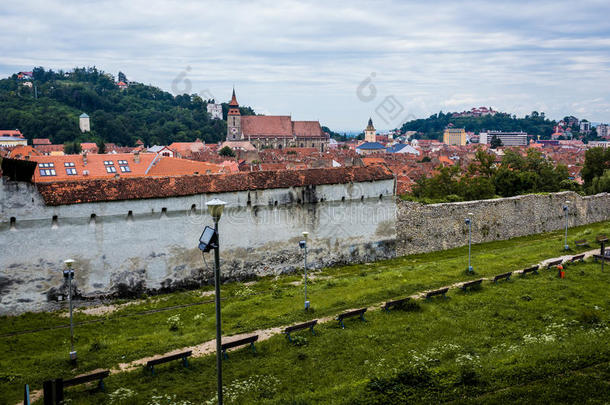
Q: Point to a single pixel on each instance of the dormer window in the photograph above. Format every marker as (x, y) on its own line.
(70, 171)
(45, 165)
(123, 162)
(47, 172)
(110, 169)
(125, 169)
(68, 164)
(108, 163)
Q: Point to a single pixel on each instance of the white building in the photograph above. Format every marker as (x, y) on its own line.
(83, 123)
(215, 111)
(585, 126)
(507, 138)
(603, 130)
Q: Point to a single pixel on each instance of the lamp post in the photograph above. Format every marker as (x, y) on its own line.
(215, 208)
(303, 245)
(69, 274)
(565, 209)
(468, 222)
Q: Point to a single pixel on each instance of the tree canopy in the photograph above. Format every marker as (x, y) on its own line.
(119, 116)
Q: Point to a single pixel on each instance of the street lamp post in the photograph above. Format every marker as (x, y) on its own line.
(210, 240)
(468, 222)
(303, 245)
(69, 274)
(565, 209)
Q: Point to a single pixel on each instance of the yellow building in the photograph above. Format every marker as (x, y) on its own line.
(12, 138)
(454, 136)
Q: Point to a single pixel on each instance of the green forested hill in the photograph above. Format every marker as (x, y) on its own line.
(433, 126)
(119, 116)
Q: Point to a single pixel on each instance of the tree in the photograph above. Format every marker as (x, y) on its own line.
(226, 151)
(597, 160)
(601, 184)
(495, 142)
(72, 148)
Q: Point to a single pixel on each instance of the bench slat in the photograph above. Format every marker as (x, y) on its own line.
(533, 269)
(441, 291)
(349, 314)
(239, 342)
(169, 358)
(554, 263)
(471, 283)
(300, 326)
(577, 257)
(395, 303)
(84, 378)
(503, 276)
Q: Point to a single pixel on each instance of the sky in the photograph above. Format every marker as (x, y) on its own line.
(336, 62)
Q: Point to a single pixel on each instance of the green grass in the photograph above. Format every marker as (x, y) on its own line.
(125, 335)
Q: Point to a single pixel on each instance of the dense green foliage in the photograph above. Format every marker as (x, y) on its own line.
(534, 124)
(119, 116)
(517, 174)
(597, 162)
(336, 361)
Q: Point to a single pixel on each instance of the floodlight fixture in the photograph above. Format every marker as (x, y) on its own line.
(208, 239)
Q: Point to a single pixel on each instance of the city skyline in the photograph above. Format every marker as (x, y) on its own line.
(339, 64)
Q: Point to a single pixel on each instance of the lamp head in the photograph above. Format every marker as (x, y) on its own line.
(305, 234)
(215, 208)
(467, 221)
(69, 263)
(302, 244)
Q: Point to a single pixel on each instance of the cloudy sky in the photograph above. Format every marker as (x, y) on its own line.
(337, 62)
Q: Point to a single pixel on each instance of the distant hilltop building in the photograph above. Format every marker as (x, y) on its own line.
(454, 136)
(215, 111)
(507, 138)
(122, 85)
(585, 126)
(83, 123)
(603, 130)
(476, 112)
(274, 131)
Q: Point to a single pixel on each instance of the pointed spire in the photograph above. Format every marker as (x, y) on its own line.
(233, 99)
(370, 126)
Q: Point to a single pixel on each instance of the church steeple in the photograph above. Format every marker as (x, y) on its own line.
(369, 132)
(234, 120)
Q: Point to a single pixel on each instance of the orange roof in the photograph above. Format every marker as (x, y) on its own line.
(267, 125)
(89, 147)
(41, 141)
(187, 148)
(445, 160)
(307, 128)
(23, 152)
(117, 165)
(11, 133)
(373, 161)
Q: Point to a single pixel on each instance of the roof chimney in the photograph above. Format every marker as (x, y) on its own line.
(136, 156)
(85, 158)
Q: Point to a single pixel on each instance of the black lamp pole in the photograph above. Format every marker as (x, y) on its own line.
(217, 304)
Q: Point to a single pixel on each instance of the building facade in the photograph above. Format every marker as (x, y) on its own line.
(603, 130)
(83, 123)
(454, 136)
(274, 131)
(369, 132)
(215, 111)
(507, 138)
(12, 138)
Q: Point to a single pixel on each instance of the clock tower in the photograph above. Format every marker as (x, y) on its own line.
(234, 121)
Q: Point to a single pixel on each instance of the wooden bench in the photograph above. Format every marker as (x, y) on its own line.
(606, 258)
(505, 276)
(601, 238)
(53, 390)
(471, 284)
(150, 365)
(300, 326)
(396, 303)
(580, 257)
(349, 314)
(442, 291)
(240, 342)
(554, 263)
(581, 243)
(533, 269)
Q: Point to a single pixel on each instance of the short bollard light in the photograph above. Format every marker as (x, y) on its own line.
(69, 275)
(468, 222)
(566, 208)
(303, 245)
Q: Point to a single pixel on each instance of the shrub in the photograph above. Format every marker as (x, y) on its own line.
(174, 322)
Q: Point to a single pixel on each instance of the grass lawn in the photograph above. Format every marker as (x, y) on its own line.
(338, 365)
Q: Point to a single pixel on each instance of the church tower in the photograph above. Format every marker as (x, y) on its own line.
(369, 132)
(234, 121)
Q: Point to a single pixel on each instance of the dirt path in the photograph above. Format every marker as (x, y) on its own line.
(209, 347)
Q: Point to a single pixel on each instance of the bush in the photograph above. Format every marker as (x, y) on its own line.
(174, 322)
(590, 317)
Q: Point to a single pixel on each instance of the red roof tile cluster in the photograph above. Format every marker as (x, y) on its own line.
(97, 190)
(41, 141)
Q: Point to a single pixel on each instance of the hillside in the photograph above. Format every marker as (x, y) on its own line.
(534, 124)
(120, 116)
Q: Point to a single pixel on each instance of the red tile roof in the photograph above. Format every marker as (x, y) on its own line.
(307, 129)
(97, 190)
(266, 125)
(41, 141)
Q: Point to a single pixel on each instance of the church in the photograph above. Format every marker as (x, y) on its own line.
(274, 131)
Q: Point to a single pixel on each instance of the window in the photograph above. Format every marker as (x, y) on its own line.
(108, 162)
(125, 169)
(122, 162)
(111, 169)
(46, 165)
(70, 171)
(47, 172)
(69, 164)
